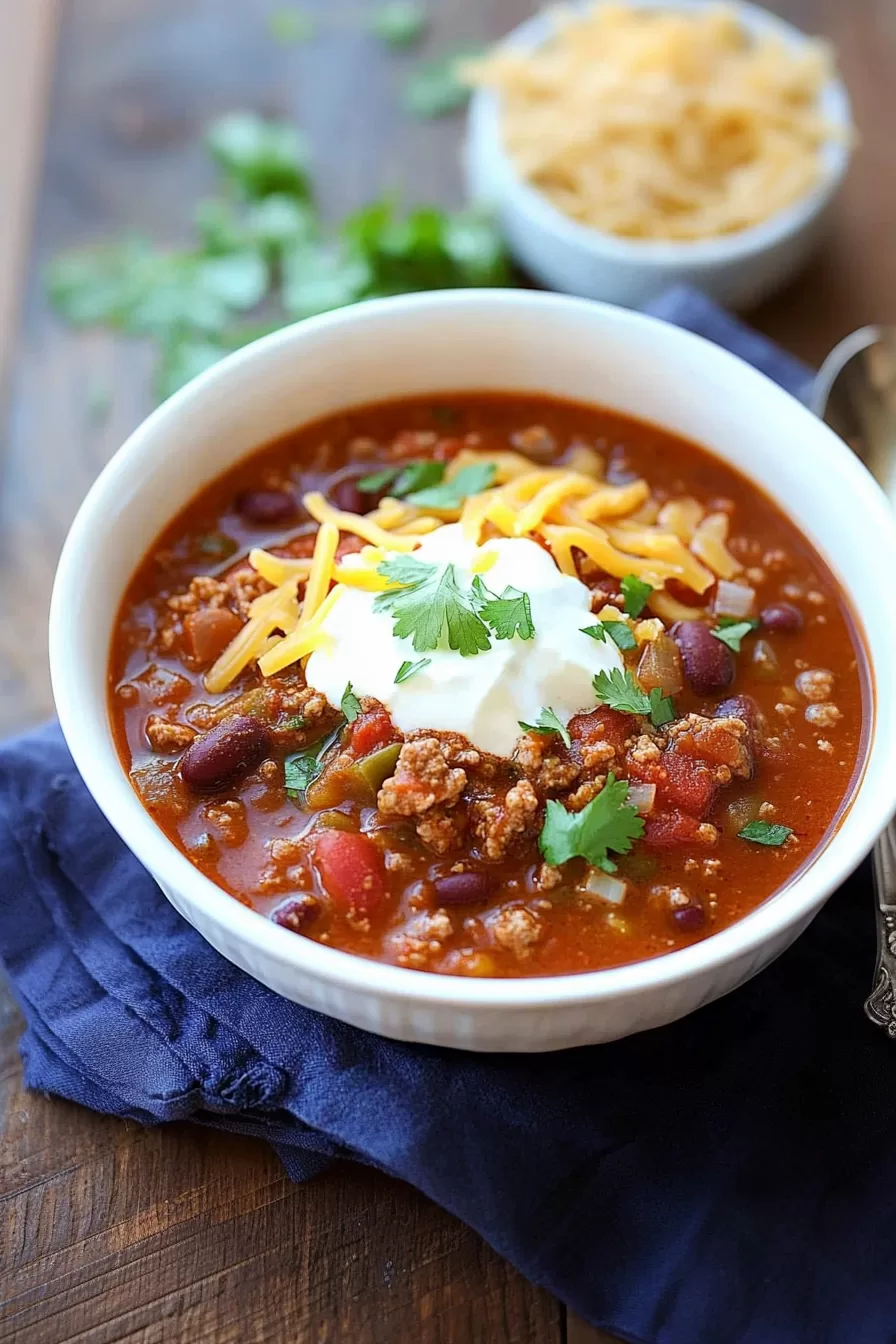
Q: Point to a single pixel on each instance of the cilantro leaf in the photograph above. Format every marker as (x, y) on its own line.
(765, 833)
(662, 708)
(730, 632)
(547, 722)
(400, 481)
(429, 602)
(618, 631)
(408, 670)
(451, 494)
(607, 823)
(400, 23)
(350, 704)
(507, 615)
(635, 593)
(619, 690)
(434, 89)
(301, 768)
(259, 157)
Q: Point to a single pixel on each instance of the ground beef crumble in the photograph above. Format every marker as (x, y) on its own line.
(422, 780)
(501, 821)
(166, 737)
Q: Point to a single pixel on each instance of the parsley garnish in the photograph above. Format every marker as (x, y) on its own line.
(619, 690)
(301, 768)
(451, 494)
(408, 670)
(635, 593)
(507, 615)
(547, 722)
(400, 23)
(618, 631)
(402, 480)
(426, 601)
(765, 833)
(731, 631)
(607, 823)
(350, 704)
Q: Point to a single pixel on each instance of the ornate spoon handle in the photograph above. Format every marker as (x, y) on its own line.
(881, 1004)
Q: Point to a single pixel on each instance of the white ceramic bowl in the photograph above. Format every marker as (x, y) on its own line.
(737, 270)
(436, 343)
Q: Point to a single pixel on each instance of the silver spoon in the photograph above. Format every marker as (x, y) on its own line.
(855, 393)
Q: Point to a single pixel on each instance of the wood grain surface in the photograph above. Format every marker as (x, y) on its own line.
(111, 1232)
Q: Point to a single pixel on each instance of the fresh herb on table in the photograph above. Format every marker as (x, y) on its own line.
(408, 670)
(401, 481)
(435, 87)
(400, 23)
(350, 704)
(547, 722)
(765, 833)
(262, 258)
(451, 494)
(730, 631)
(619, 691)
(607, 823)
(635, 594)
(289, 25)
(507, 615)
(618, 631)
(302, 768)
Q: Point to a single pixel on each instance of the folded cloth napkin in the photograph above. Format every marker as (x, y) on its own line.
(724, 1180)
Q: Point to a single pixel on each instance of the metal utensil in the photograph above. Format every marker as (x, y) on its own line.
(855, 393)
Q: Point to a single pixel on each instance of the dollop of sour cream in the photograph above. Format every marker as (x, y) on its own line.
(484, 697)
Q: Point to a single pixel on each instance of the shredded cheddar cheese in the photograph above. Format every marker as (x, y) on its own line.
(583, 519)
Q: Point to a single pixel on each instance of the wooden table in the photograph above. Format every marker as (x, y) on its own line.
(112, 1232)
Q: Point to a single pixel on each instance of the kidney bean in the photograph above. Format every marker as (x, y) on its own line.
(782, 617)
(346, 496)
(220, 757)
(462, 888)
(690, 918)
(266, 507)
(708, 663)
(745, 708)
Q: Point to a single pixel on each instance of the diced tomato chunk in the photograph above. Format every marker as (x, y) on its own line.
(351, 869)
(669, 830)
(682, 782)
(602, 725)
(371, 731)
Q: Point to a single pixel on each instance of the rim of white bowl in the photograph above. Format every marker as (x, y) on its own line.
(83, 712)
(484, 132)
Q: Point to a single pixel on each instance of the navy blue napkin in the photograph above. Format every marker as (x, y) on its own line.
(725, 1180)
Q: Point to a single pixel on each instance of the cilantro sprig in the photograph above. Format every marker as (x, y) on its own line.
(765, 833)
(617, 631)
(402, 480)
(635, 594)
(408, 670)
(607, 823)
(730, 631)
(619, 690)
(350, 704)
(427, 604)
(261, 258)
(451, 494)
(547, 722)
(302, 768)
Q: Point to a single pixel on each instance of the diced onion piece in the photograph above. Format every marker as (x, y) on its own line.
(660, 666)
(602, 884)
(642, 797)
(733, 599)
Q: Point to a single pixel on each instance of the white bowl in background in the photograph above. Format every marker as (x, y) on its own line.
(507, 340)
(737, 270)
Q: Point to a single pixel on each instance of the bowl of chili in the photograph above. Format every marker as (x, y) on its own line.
(488, 851)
